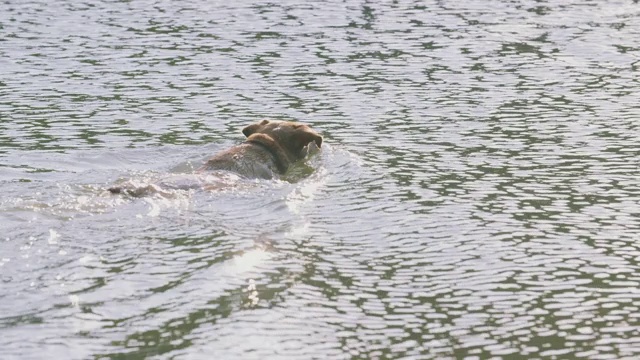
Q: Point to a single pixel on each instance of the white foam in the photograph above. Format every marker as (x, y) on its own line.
(53, 237)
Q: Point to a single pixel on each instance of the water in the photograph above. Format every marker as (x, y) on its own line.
(478, 193)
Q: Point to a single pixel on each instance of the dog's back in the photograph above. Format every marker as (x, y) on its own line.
(248, 160)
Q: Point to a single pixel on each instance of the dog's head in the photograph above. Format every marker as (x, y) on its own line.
(292, 136)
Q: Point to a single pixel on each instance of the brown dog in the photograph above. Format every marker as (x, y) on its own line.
(270, 149)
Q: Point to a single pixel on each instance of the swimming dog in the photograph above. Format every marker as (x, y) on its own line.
(270, 149)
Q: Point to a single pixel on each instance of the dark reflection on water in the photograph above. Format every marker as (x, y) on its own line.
(478, 193)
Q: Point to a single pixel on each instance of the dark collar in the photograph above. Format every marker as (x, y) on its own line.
(279, 155)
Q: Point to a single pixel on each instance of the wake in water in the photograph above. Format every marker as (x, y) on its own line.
(170, 186)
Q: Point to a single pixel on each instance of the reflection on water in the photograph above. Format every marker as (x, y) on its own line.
(478, 194)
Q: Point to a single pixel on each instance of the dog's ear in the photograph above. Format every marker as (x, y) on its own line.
(316, 138)
(251, 129)
(306, 136)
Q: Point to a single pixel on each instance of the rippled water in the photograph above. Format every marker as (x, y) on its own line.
(478, 194)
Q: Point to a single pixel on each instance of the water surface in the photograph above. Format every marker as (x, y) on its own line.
(477, 194)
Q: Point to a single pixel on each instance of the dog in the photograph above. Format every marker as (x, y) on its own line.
(270, 149)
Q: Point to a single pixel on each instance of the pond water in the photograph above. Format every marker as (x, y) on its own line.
(477, 194)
